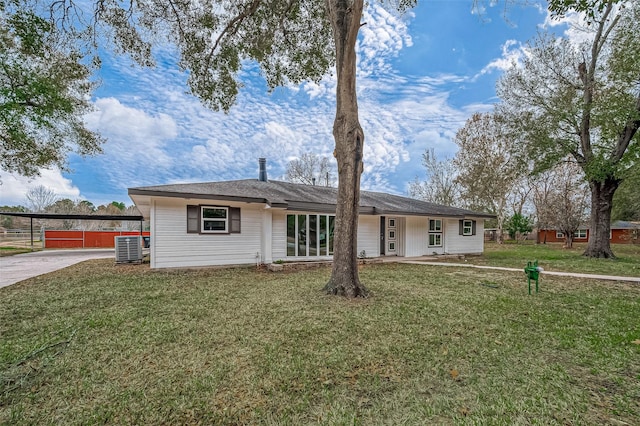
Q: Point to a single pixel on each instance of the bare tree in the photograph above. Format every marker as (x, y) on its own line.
(311, 169)
(39, 198)
(562, 200)
(441, 186)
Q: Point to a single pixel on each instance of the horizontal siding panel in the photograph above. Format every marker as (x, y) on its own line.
(173, 247)
(279, 235)
(369, 235)
(461, 244)
(416, 236)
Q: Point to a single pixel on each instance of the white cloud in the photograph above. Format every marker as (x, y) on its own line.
(14, 188)
(512, 54)
(382, 37)
(157, 133)
(133, 136)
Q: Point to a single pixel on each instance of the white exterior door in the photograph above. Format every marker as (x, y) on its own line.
(392, 236)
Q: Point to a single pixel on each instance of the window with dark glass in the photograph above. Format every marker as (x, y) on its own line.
(213, 219)
(435, 232)
(310, 234)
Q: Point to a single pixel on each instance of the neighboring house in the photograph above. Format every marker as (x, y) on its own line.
(622, 232)
(259, 221)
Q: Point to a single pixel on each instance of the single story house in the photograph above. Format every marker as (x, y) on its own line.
(260, 221)
(622, 232)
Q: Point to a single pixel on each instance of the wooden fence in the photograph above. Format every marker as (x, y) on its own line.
(84, 239)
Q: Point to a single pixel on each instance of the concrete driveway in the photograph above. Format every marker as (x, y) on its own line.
(23, 266)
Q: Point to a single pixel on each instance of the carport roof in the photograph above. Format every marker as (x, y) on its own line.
(74, 216)
(292, 196)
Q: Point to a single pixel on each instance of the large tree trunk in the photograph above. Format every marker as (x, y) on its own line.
(345, 20)
(601, 203)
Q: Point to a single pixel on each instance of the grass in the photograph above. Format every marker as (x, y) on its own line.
(10, 251)
(105, 343)
(553, 257)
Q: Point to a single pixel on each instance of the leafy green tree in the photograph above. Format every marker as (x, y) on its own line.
(63, 206)
(119, 205)
(518, 226)
(10, 221)
(582, 100)
(44, 92)
(489, 166)
(626, 201)
(85, 207)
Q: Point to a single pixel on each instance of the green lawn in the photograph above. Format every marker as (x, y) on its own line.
(10, 250)
(553, 257)
(105, 343)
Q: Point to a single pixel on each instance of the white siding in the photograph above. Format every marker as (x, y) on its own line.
(267, 232)
(416, 236)
(174, 247)
(263, 236)
(463, 244)
(279, 235)
(369, 235)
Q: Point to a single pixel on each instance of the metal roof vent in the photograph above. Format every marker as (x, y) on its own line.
(128, 249)
(262, 177)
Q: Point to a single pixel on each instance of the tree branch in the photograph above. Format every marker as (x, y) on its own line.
(232, 27)
(629, 131)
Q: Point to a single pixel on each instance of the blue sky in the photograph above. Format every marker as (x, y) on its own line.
(421, 75)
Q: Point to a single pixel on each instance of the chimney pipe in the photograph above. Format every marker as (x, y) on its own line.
(262, 177)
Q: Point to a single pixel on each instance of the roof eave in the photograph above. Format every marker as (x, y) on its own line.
(197, 196)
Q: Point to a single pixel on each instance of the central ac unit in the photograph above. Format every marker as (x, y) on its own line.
(128, 249)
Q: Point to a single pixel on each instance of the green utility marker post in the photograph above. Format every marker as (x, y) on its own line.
(532, 270)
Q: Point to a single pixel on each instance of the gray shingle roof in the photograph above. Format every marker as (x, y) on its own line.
(301, 197)
(623, 224)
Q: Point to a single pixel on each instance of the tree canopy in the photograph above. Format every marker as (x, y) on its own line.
(581, 99)
(489, 165)
(44, 93)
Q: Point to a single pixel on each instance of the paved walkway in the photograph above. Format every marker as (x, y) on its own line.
(500, 268)
(23, 266)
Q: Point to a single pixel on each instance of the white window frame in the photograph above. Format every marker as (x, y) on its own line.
(580, 234)
(437, 239)
(435, 232)
(203, 220)
(467, 224)
(559, 234)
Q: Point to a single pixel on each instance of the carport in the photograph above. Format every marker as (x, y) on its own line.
(60, 216)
